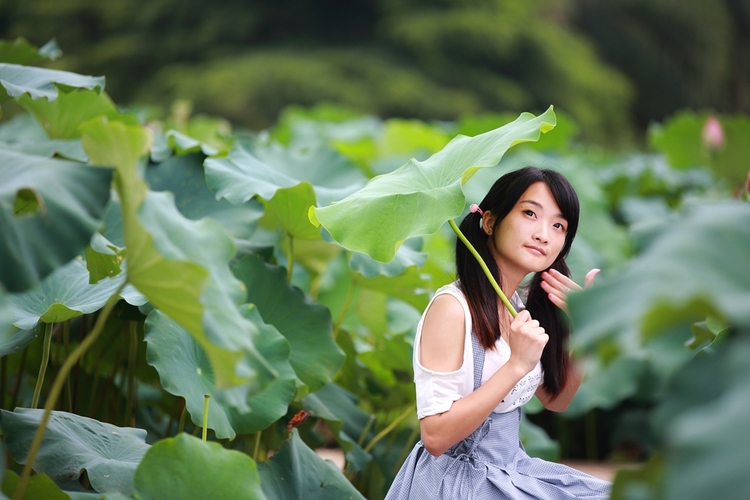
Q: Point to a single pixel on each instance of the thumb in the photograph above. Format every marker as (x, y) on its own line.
(588, 281)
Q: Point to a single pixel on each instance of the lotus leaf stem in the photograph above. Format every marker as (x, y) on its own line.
(390, 427)
(66, 345)
(57, 386)
(366, 429)
(43, 365)
(290, 259)
(486, 270)
(183, 417)
(256, 448)
(344, 309)
(206, 397)
(131, 371)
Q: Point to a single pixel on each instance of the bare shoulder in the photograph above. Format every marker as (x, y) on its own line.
(443, 333)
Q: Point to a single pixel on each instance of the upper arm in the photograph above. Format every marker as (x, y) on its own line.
(443, 333)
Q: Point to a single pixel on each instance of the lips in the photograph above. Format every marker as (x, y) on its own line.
(537, 250)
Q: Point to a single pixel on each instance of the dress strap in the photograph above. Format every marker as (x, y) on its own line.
(478, 353)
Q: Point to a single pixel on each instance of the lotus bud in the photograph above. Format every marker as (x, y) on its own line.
(712, 134)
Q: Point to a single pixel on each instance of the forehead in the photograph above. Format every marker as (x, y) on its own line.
(539, 194)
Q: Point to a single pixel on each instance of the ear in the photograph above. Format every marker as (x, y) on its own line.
(488, 222)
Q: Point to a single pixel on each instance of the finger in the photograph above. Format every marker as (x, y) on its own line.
(560, 294)
(589, 279)
(561, 282)
(559, 302)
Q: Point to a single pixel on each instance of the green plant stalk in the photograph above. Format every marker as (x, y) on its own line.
(66, 345)
(3, 377)
(131, 371)
(205, 416)
(407, 448)
(290, 259)
(19, 376)
(183, 417)
(57, 385)
(344, 309)
(42, 365)
(390, 427)
(486, 270)
(366, 429)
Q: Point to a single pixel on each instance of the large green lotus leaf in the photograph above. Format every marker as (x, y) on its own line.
(288, 210)
(48, 211)
(605, 385)
(339, 409)
(263, 170)
(61, 117)
(184, 176)
(12, 341)
(39, 487)
(707, 442)
(40, 82)
(186, 467)
(184, 370)
(306, 324)
(183, 266)
(20, 51)
(72, 443)
(70, 149)
(421, 196)
(65, 294)
(699, 266)
(295, 471)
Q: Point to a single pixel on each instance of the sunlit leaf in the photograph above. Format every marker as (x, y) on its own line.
(103, 258)
(185, 370)
(73, 443)
(186, 467)
(295, 471)
(40, 487)
(288, 210)
(20, 51)
(71, 201)
(62, 117)
(420, 197)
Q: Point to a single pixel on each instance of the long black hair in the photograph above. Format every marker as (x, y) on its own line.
(480, 295)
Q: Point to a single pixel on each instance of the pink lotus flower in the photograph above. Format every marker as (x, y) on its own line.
(712, 134)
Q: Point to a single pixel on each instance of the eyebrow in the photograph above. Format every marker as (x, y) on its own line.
(537, 204)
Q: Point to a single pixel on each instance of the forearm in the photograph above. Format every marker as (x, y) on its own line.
(441, 431)
(569, 389)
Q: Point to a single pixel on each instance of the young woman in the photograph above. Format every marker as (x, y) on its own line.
(475, 365)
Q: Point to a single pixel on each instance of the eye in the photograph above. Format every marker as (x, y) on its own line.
(560, 226)
(530, 213)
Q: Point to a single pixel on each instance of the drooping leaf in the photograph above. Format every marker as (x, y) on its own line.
(40, 82)
(409, 254)
(103, 258)
(288, 210)
(315, 356)
(47, 148)
(62, 117)
(186, 467)
(184, 370)
(339, 409)
(296, 471)
(184, 176)
(698, 267)
(180, 265)
(66, 294)
(261, 171)
(419, 197)
(70, 204)
(184, 144)
(72, 443)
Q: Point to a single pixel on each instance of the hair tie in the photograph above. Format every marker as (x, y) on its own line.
(475, 208)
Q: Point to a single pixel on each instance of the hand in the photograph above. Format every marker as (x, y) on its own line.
(557, 286)
(526, 340)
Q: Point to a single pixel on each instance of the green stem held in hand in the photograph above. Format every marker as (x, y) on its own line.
(486, 270)
(43, 365)
(205, 416)
(57, 386)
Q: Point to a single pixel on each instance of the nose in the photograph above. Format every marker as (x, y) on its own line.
(541, 235)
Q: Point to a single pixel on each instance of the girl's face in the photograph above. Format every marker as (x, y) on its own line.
(531, 236)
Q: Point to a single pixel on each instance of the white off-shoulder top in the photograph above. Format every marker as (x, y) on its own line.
(436, 391)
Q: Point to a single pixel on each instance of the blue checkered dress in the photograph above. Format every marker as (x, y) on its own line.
(491, 464)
